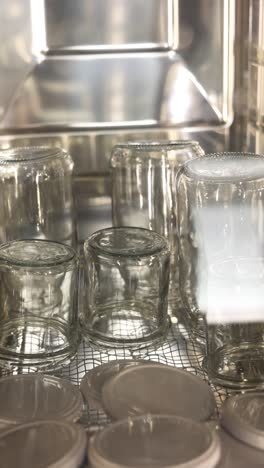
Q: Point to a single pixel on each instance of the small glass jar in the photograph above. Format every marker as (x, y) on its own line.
(126, 284)
(38, 303)
(36, 200)
(144, 193)
(221, 226)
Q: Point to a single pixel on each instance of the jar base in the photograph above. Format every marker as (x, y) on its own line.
(237, 367)
(35, 344)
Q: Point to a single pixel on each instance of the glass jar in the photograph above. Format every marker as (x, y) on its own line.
(221, 232)
(36, 200)
(38, 303)
(126, 284)
(144, 193)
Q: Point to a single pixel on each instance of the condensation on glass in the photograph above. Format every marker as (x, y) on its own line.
(36, 199)
(144, 193)
(221, 232)
(38, 303)
(126, 284)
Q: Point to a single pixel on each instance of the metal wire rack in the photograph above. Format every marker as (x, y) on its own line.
(177, 350)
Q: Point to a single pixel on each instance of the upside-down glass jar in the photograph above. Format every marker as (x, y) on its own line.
(38, 304)
(221, 232)
(126, 286)
(36, 199)
(144, 194)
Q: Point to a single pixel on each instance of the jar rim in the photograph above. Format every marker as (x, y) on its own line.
(22, 154)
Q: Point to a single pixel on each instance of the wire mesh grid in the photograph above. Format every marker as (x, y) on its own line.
(177, 350)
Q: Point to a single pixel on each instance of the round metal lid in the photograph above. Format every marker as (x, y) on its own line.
(94, 380)
(24, 398)
(43, 444)
(236, 454)
(155, 441)
(158, 389)
(243, 417)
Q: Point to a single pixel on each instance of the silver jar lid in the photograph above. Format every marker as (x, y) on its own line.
(236, 454)
(155, 441)
(24, 398)
(243, 417)
(94, 380)
(158, 389)
(49, 444)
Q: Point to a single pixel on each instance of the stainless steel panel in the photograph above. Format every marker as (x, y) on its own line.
(85, 25)
(110, 90)
(256, 63)
(115, 90)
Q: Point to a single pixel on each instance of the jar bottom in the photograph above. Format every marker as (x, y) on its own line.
(238, 367)
(35, 343)
(129, 324)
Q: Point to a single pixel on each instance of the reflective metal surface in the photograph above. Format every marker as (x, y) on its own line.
(188, 83)
(109, 24)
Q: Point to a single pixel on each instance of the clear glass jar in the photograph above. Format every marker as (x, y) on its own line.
(221, 232)
(38, 303)
(127, 278)
(36, 200)
(144, 193)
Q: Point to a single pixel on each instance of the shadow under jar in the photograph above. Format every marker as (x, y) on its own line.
(144, 194)
(36, 200)
(38, 304)
(221, 232)
(126, 282)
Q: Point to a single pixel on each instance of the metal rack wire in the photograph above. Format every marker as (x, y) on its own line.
(177, 350)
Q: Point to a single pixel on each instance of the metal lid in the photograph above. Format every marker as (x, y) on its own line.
(25, 398)
(155, 441)
(236, 454)
(158, 389)
(49, 444)
(243, 417)
(94, 380)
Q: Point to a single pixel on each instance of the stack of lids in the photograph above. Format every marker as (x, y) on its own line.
(160, 412)
(37, 413)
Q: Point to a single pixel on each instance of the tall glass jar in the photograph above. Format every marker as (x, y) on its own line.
(221, 232)
(144, 193)
(36, 199)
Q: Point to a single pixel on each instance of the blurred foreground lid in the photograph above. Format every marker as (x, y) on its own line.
(158, 389)
(43, 444)
(24, 398)
(243, 418)
(94, 380)
(155, 441)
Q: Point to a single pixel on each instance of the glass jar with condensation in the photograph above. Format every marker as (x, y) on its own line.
(144, 193)
(36, 199)
(221, 232)
(38, 304)
(126, 284)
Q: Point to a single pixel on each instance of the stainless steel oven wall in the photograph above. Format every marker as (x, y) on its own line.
(86, 74)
